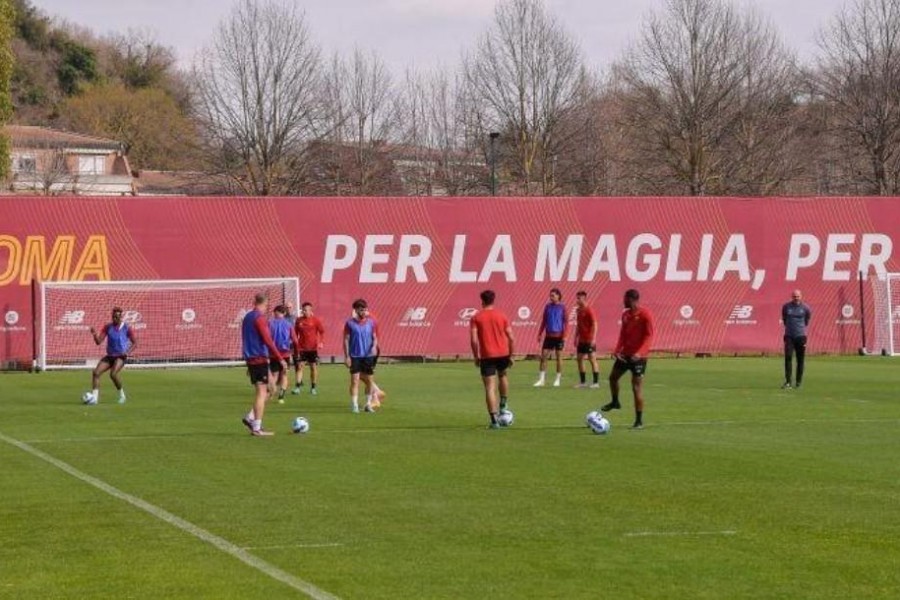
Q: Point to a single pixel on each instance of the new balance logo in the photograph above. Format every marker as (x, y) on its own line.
(132, 316)
(415, 317)
(741, 314)
(72, 317)
(415, 314)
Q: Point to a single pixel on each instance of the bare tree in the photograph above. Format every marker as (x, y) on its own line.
(859, 77)
(259, 97)
(524, 76)
(704, 84)
(364, 120)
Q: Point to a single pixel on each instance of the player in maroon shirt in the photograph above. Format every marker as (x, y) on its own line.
(310, 334)
(585, 347)
(631, 354)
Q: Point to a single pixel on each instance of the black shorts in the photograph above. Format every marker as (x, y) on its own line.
(637, 366)
(307, 356)
(553, 343)
(275, 365)
(258, 373)
(586, 348)
(111, 360)
(365, 365)
(494, 366)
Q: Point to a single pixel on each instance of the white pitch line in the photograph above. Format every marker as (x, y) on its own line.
(677, 533)
(281, 546)
(163, 515)
(110, 438)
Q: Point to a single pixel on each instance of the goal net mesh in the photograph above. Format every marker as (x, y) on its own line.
(886, 298)
(175, 323)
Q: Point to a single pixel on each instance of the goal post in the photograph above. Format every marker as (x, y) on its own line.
(177, 323)
(886, 317)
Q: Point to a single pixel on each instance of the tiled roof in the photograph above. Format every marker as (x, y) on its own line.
(31, 136)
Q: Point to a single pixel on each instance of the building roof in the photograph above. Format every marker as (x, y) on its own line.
(32, 136)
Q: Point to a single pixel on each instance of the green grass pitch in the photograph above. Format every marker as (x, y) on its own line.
(735, 489)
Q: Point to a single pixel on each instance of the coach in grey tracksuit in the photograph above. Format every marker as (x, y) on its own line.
(795, 315)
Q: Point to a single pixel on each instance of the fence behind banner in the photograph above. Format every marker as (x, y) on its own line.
(714, 271)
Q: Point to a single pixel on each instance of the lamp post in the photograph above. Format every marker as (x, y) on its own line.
(494, 135)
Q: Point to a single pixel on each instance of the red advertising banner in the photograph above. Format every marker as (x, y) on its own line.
(714, 271)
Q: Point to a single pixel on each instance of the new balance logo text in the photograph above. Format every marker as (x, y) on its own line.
(72, 317)
(741, 314)
(415, 317)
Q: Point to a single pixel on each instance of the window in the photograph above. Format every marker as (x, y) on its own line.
(91, 165)
(24, 164)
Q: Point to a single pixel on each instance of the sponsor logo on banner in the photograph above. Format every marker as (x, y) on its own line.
(188, 320)
(741, 314)
(238, 319)
(11, 320)
(415, 317)
(524, 317)
(848, 311)
(687, 319)
(71, 320)
(465, 317)
(134, 319)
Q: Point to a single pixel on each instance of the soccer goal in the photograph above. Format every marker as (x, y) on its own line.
(177, 323)
(886, 298)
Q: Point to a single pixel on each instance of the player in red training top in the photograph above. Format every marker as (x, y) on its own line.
(310, 339)
(586, 321)
(492, 347)
(631, 354)
(120, 343)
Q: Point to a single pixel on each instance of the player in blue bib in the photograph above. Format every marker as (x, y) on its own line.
(120, 342)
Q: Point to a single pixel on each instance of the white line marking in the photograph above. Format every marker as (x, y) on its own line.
(186, 526)
(111, 438)
(677, 533)
(280, 546)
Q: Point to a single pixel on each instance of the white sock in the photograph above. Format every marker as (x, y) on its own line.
(354, 400)
(257, 424)
(250, 416)
(96, 394)
(542, 376)
(122, 393)
(368, 398)
(558, 376)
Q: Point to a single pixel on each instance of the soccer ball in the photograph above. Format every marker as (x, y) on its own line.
(594, 414)
(600, 425)
(300, 425)
(506, 418)
(88, 398)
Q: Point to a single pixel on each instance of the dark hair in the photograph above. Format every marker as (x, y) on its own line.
(358, 304)
(488, 297)
(281, 309)
(260, 298)
(557, 292)
(305, 304)
(581, 294)
(117, 309)
(633, 294)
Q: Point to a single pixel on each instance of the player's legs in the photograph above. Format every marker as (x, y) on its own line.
(354, 392)
(282, 384)
(102, 367)
(595, 369)
(503, 384)
(637, 386)
(542, 376)
(259, 406)
(490, 398)
(559, 364)
(367, 379)
(314, 377)
(788, 359)
(615, 375)
(114, 375)
(298, 375)
(582, 376)
(800, 348)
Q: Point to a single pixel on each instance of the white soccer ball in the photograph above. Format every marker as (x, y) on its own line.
(300, 425)
(600, 425)
(591, 416)
(506, 418)
(88, 398)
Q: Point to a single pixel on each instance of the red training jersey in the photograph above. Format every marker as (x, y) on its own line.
(636, 333)
(310, 333)
(490, 326)
(586, 320)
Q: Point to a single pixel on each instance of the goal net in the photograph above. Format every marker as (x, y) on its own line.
(175, 323)
(886, 298)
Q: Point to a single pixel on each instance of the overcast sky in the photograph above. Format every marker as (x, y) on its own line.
(424, 33)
